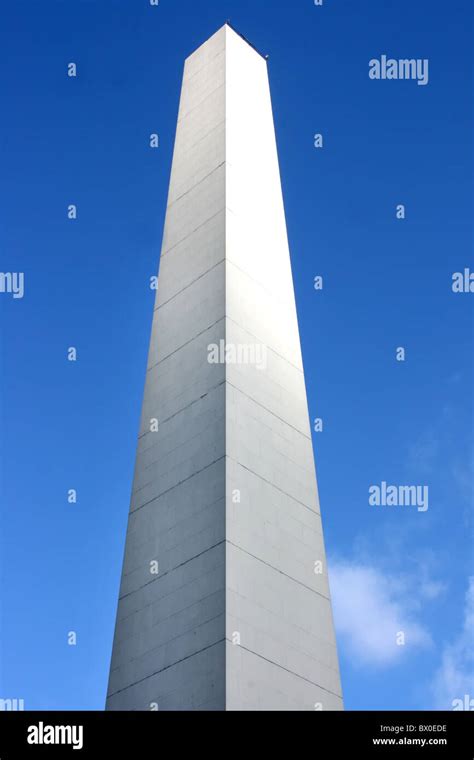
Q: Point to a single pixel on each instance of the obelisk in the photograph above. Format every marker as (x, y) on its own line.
(224, 599)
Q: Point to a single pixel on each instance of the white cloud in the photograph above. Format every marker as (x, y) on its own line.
(455, 676)
(371, 609)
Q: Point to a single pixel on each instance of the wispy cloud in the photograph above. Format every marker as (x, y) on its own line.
(372, 609)
(455, 675)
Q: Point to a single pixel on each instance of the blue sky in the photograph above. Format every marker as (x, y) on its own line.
(387, 284)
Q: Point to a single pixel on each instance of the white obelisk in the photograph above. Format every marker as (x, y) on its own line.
(224, 599)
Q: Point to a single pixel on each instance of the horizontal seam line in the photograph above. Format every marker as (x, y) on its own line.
(165, 596)
(288, 670)
(283, 301)
(163, 575)
(170, 205)
(193, 627)
(262, 406)
(176, 485)
(192, 146)
(290, 577)
(201, 102)
(162, 457)
(190, 284)
(206, 329)
(157, 672)
(310, 509)
(269, 347)
(179, 411)
(209, 60)
(165, 252)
